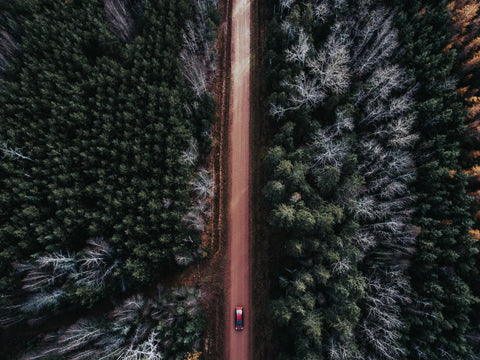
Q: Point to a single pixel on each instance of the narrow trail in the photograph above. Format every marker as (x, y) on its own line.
(238, 345)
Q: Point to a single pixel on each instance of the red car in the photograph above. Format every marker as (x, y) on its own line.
(239, 318)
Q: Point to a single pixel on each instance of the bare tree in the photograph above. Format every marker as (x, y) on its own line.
(322, 10)
(339, 349)
(37, 279)
(286, 4)
(195, 67)
(120, 16)
(8, 48)
(78, 335)
(375, 38)
(365, 208)
(400, 130)
(167, 202)
(197, 55)
(344, 121)
(328, 148)
(289, 29)
(57, 261)
(365, 240)
(300, 50)
(194, 221)
(324, 71)
(278, 111)
(331, 64)
(381, 84)
(12, 152)
(147, 350)
(305, 90)
(203, 184)
(131, 309)
(96, 265)
(341, 266)
(41, 301)
(128, 332)
(45, 271)
(202, 206)
(183, 259)
(190, 155)
(44, 278)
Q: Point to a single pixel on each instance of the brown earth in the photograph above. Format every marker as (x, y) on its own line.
(238, 345)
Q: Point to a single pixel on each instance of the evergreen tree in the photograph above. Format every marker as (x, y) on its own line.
(444, 257)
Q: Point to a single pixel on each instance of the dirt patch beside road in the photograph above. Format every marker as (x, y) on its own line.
(264, 248)
(212, 276)
(209, 275)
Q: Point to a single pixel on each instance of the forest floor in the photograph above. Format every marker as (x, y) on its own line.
(209, 275)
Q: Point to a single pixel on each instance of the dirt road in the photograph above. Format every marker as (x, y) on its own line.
(238, 287)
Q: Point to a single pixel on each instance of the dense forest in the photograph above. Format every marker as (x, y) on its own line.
(104, 123)
(367, 184)
(465, 40)
(373, 189)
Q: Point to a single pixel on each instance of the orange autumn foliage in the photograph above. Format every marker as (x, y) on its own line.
(474, 154)
(474, 108)
(466, 42)
(475, 234)
(423, 11)
(461, 91)
(473, 171)
(193, 356)
(472, 63)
